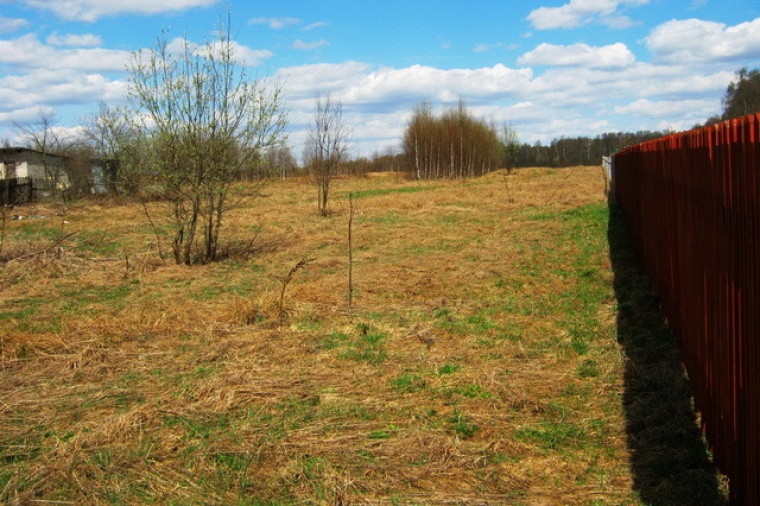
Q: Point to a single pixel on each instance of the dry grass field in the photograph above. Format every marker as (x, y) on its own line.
(480, 362)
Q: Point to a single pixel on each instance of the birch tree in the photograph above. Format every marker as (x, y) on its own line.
(326, 146)
(452, 145)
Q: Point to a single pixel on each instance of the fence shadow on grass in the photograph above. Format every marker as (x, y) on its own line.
(669, 458)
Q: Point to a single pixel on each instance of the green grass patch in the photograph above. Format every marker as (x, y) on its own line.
(552, 435)
(473, 391)
(449, 369)
(111, 297)
(386, 433)
(369, 348)
(21, 309)
(588, 369)
(462, 424)
(99, 243)
(408, 383)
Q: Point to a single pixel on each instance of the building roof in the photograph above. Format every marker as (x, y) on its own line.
(20, 149)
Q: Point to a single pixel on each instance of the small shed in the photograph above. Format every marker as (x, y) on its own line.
(27, 175)
(22, 167)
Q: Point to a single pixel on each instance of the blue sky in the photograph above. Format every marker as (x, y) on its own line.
(550, 68)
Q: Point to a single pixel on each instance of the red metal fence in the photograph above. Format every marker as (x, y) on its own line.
(691, 204)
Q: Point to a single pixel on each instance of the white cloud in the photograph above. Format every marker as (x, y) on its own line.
(562, 101)
(306, 46)
(303, 81)
(483, 48)
(92, 10)
(43, 75)
(385, 91)
(52, 88)
(24, 115)
(674, 125)
(618, 22)
(679, 83)
(241, 54)
(664, 109)
(8, 25)
(248, 56)
(27, 52)
(599, 90)
(695, 41)
(419, 82)
(313, 26)
(581, 12)
(275, 23)
(86, 39)
(556, 127)
(579, 55)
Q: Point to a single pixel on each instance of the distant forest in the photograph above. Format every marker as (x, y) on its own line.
(562, 152)
(570, 151)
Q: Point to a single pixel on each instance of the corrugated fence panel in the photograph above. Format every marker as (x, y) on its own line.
(692, 205)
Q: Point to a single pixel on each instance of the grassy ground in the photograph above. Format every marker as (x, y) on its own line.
(482, 361)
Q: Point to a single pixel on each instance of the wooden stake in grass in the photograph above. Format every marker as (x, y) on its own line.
(3, 219)
(510, 197)
(350, 253)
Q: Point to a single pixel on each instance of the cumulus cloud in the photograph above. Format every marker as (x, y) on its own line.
(664, 109)
(23, 115)
(248, 56)
(302, 81)
(678, 83)
(27, 52)
(696, 41)
(275, 23)
(46, 75)
(579, 55)
(92, 10)
(50, 88)
(420, 82)
(599, 88)
(8, 25)
(570, 96)
(86, 39)
(581, 12)
(242, 54)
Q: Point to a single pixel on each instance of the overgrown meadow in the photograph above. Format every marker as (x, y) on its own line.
(479, 362)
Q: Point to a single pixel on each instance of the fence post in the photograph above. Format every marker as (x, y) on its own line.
(608, 164)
